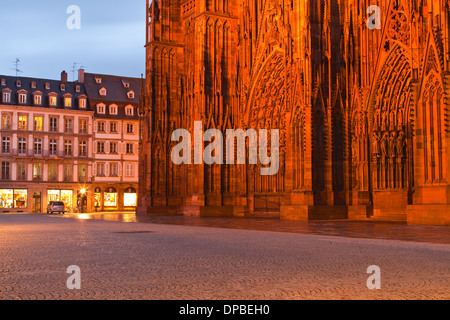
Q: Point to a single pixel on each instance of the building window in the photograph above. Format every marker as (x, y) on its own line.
(130, 128)
(82, 103)
(63, 87)
(103, 92)
(100, 147)
(68, 125)
(18, 83)
(21, 171)
(113, 127)
(53, 147)
(52, 172)
(33, 85)
(6, 145)
(113, 109)
(100, 169)
(6, 97)
(82, 126)
(68, 148)
(6, 121)
(101, 109)
(131, 95)
(114, 169)
(129, 111)
(22, 98)
(38, 99)
(101, 126)
(129, 170)
(6, 170)
(130, 148)
(126, 84)
(38, 124)
(38, 146)
(23, 123)
(68, 173)
(53, 124)
(3, 82)
(37, 172)
(67, 102)
(98, 80)
(83, 149)
(113, 147)
(82, 173)
(53, 101)
(47, 86)
(77, 88)
(22, 145)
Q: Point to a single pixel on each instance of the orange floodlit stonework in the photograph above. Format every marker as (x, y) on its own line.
(359, 90)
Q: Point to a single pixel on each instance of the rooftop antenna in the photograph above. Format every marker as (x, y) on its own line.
(74, 69)
(16, 67)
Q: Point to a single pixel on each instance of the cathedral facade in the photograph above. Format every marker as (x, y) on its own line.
(359, 90)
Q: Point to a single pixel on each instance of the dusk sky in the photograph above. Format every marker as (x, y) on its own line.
(111, 39)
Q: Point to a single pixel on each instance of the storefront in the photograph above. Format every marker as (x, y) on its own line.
(114, 198)
(13, 198)
(65, 196)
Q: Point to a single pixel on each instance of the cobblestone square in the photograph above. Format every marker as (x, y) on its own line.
(162, 261)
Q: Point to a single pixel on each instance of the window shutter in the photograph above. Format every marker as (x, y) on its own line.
(94, 169)
(96, 126)
(119, 169)
(107, 147)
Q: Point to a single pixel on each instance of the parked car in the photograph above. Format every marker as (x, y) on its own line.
(56, 206)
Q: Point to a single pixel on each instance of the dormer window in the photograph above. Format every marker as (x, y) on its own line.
(6, 96)
(82, 102)
(77, 88)
(129, 110)
(101, 109)
(22, 98)
(113, 109)
(33, 85)
(3, 82)
(98, 80)
(67, 102)
(102, 91)
(37, 99)
(67, 99)
(126, 84)
(52, 99)
(63, 87)
(131, 95)
(47, 86)
(18, 83)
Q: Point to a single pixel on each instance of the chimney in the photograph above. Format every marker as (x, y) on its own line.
(81, 76)
(64, 77)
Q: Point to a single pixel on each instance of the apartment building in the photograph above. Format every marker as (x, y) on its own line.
(46, 139)
(114, 101)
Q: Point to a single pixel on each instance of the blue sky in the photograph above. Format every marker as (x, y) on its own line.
(111, 39)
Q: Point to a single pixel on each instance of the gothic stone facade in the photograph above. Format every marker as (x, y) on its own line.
(363, 112)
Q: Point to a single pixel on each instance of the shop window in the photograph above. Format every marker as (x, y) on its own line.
(6, 198)
(110, 198)
(130, 198)
(20, 199)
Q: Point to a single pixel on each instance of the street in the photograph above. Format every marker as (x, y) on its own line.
(133, 258)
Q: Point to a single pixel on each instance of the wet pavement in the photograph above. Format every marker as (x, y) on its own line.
(340, 228)
(182, 258)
